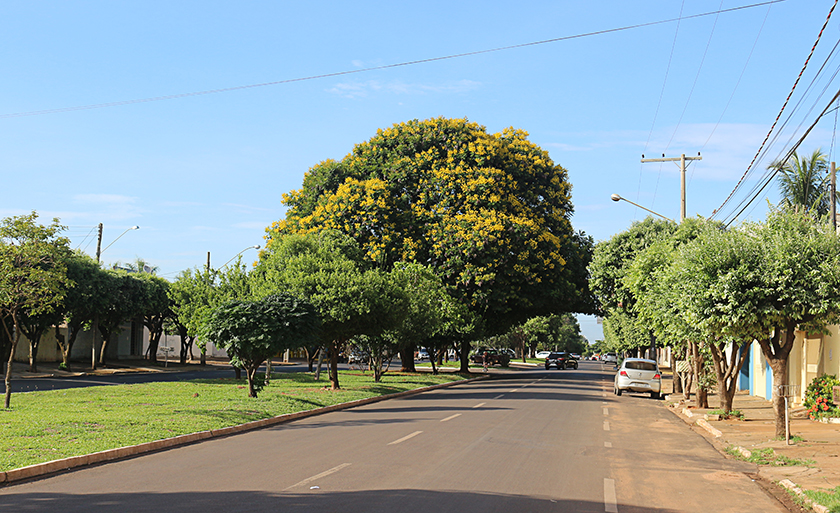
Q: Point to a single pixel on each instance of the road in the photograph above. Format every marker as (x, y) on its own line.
(539, 441)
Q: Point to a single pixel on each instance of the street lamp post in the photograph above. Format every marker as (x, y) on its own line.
(616, 197)
(96, 317)
(256, 246)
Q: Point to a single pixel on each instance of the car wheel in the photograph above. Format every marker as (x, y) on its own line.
(575, 365)
(618, 392)
(654, 395)
(547, 366)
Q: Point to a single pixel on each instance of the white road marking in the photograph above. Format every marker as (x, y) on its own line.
(607, 444)
(319, 476)
(499, 396)
(514, 389)
(606, 426)
(606, 411)
(403, 439)
(479, 405)
(451, 417)
(610, 501)
(604, 394)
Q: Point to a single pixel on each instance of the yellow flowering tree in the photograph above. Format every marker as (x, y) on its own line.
(489, 213)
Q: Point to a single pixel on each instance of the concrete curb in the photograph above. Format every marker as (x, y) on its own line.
(819, 508)
(55, 466)
(703, 423)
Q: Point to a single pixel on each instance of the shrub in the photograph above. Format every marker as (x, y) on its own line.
(818, 397)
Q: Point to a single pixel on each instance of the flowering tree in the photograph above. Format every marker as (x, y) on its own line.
(488, 213)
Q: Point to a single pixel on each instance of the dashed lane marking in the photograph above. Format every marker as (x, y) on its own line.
(318, 476)
(607, 444)
(479, 405)
(403, 439)
(606, 426)
(610, 500)
(499, 396)
(606, 411)
(450, 417)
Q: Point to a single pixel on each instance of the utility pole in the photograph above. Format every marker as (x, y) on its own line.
(834, 197)
(208, 261)
(681, 159)
(96, 316)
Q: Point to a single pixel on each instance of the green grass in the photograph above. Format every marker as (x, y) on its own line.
(769, 457)
(732, 414)
(50, 425)
(828, 498)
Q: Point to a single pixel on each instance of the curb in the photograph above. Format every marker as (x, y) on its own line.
(819, 508)
(120, 453)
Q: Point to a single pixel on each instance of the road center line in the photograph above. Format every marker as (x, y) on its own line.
(403, 439)
(606, 411)
(607, 444)
(499, 396)
(319, 476)
(606, 426)
(610, 501)
(450, 417)
(479, 405)
(514, 389)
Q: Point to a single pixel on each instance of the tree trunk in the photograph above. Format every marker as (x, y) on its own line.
(433, 360)
(464, 356)
(779, 368)
(154, 342)
(67, 345)
(407, 358)
(726, 372)
(334, 365)
(677, 380)
(11, 360)
(237, 373)
(105, 340)
(701, 398)
(251, 373)
(182, 333)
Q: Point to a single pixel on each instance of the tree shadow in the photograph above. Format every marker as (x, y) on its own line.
(367, 501)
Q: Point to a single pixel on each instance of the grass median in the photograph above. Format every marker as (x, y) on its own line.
(50, 425)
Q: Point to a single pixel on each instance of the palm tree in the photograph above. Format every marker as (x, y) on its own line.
(804, 183)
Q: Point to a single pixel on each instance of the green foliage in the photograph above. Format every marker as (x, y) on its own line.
(489, 214)
(769, 457)
(804, 183)
(819, 397)
(252, 331)
(829, 498)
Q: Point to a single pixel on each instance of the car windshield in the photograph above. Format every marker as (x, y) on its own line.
(648, 366)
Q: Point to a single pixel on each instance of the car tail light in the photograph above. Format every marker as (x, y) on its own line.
(657, 376)
(624, 373)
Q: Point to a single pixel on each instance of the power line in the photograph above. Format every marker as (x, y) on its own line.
(813, 48)
(375, 68)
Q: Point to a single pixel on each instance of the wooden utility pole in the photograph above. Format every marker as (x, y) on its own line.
(682, 160)
(96, 316)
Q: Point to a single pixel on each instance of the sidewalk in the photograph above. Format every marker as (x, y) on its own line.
(819, 443)
(20, 370)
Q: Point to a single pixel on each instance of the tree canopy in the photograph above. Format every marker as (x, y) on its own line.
(489, 213)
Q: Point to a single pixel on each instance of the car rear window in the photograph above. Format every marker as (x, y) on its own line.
(648, 366)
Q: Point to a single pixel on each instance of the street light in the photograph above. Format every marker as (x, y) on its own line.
(255, 246)
(98, 251)
(616, 197)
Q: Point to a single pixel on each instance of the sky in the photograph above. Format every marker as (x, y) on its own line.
(205, 173)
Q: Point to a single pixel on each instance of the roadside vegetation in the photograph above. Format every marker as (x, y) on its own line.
(56, 424)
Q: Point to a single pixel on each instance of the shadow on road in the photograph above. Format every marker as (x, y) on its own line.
(405, 500)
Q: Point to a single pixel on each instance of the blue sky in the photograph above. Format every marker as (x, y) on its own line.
(206, 173)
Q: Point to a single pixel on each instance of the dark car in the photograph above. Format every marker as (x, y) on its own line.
(494, 357)
(561, 361)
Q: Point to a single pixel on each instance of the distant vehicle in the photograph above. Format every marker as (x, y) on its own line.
(575, 356)
(510, 352)
(422, 355)
(494, 356)
(542, 355)
(610, 358)
(638, 375)
(560, 361)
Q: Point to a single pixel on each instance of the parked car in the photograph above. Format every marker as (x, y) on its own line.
(422, 354)
(575, 356)
(638, 375)
(610, 358)
(560, 361)
(510, 352)
(494, 357)
(542, 355)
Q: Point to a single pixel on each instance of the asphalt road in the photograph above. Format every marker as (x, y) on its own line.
(540, 441)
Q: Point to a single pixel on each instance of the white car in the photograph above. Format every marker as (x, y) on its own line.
(542, 355)
(609, 358)
(638, 375)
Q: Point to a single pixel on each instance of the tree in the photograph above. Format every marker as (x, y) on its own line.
(33, 275)
(326, 269)
(488, 213)
(154, 308)
(82, 301)
(125, 297)
(192, 296)
(252, 331)
(609, 267)
(804, 183)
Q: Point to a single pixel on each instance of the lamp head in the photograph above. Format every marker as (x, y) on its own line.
(615, 197)
(135, 227)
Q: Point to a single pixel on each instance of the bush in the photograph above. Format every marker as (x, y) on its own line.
(818, 397)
